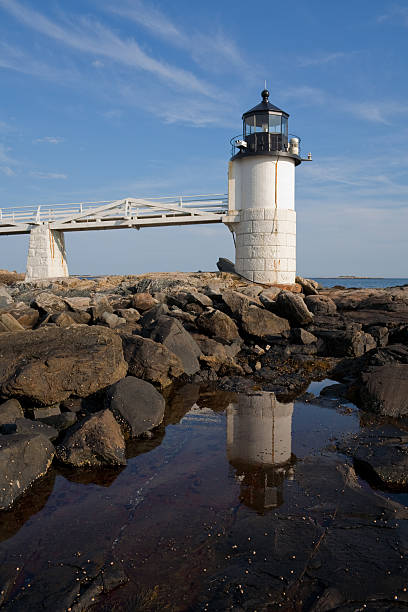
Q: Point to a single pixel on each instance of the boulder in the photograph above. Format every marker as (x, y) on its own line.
(219, 326)
(78, 304)
(143, 301)
(388, 464)
(9, 323)
(136, 405)
(27, 426)
(27, 317)
(182, 298)
(379, 333)
(298, 335)
(151, 317)
(309, 286)
(62, 319)
(344, 343)
(48, 365)
(320, 304)
(111, 320)
(261, 323)
(131, 315)
(384, 390)
(225, 265)
(44, 412)
(99, 306)
(175, 338)
(5, 298)
(216, 355)
(60, 422)
(48, 303)
(268, 297)
(291, 306)
(23, 459)
(97, 442)
(10, 411)
(238, 302)
(151, 360)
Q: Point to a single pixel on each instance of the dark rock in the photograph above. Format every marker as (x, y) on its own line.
(388, 464)
(143, 301)
(298, 335)
(219, 326)
(151, 360)
(9, 323)
(261, 323)
(335, 391)
(10, 411)
(292, 306)
(136, 404)
(171, 333)
(62, 421)
(48, 303)
(219, 356)
(23, 459)
(8, 428)
(100, 305)
(268, 297)
(151, 317)
(320, 304)
(330, 599)
(238, 303)
(225, 265)
(98, 441)
(347, 343)
(182, 298)
(46, 366)
(379, 333)
(72, 404)
(27, 426)
(384, 390)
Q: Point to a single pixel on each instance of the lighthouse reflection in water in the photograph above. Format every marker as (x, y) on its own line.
(259, 430)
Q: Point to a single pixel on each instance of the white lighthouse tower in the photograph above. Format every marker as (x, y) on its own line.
(261, 196)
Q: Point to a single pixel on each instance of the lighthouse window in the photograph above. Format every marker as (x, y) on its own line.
(249, 125)
(261, 123)
(285, 126)
(275, 124)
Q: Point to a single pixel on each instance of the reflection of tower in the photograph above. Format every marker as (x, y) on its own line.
(259, 432)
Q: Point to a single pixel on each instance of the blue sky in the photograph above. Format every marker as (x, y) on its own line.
(105, 99)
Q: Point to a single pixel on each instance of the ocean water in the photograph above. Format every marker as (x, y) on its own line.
(361, 283)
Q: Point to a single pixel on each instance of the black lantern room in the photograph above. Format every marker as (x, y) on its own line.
(265, 127)
(265, 130)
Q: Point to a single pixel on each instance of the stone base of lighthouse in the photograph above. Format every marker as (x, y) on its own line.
(46, 254)
(266, 245)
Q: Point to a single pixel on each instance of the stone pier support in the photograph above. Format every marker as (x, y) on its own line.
(46, 254)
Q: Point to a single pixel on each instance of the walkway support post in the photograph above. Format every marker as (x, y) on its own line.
(46, 254)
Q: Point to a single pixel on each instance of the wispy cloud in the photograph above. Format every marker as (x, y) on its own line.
(50, 139)
(93, 38)
(397, 13)
(48, 175)
(7, 163)
(215, 51)
(321, 59)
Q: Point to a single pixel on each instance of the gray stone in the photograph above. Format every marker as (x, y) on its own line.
(301, 336)
(131, 315)
(23, 459)
(60, 422)
(238, 303)
(225, 265)
(136, 404)
(292, 306)
(62, 319)
(384, 390)
(46, 411)
(261, 323)
(171, 333)
(268, 296)
(27, 426)
(5, 297)
(150, 360)
(48, 303)
(98, 441)
(10, 411)
(78, 304)
(309, 286)
(111, 320)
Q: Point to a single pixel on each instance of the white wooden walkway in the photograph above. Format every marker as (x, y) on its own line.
(116, 214)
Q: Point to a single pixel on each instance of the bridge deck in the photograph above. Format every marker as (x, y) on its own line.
(116, 214)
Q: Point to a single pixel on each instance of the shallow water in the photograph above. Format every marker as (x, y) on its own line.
(362, 283)
(222, 508)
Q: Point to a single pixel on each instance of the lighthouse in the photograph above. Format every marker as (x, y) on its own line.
(261, 196)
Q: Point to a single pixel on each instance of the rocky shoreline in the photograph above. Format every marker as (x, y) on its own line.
(86, 365)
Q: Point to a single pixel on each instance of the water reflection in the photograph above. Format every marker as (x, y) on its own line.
(259, 430)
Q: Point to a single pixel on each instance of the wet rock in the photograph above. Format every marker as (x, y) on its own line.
(219, 326)
(143, 301)
(46, 366)
(10, 411)
(98, 441)
(335, 391)
(9, 323)
(309, 286)
(384, 390)
(320, 304)
(136, 404)
(48, 303)
(387, 464)
(292, 306)
(151, 360)
(46, 411)
(23, 459)
(330, 599)
(176, 339)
